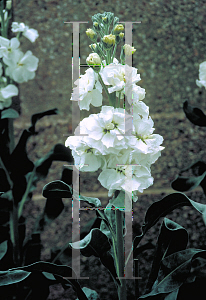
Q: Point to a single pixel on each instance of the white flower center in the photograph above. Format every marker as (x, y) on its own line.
(109, 126)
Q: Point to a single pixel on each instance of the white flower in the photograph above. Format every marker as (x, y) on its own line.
(5, 95)
(106, 128)
(89, 159)
(21, 67)
(119, 77)
(88, 90)
(202, 75)
(8, 47)
(29, 33)
(127, 178)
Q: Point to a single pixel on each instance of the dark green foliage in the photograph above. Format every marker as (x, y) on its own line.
(194, 114)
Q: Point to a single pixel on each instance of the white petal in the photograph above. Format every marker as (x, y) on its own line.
(9, 91)
(31, 34)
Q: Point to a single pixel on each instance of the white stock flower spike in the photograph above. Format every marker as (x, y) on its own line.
(121, 145)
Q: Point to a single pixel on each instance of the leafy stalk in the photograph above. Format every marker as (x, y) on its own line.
(122, 292)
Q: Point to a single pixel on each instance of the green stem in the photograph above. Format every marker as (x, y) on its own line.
(14, 234)
(114, 51)
(24, 198)
(11, 135)
(100, 50)
(105, 88)
(122, 292)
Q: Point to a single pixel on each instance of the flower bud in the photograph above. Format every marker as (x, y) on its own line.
(96, 26)
(91, 34)
(118, 28)
(108, 41)
(94, 61)
(92, 46)
(105, 20)
(8, 4)
(116, 20)
(128, 50)
(119, 37)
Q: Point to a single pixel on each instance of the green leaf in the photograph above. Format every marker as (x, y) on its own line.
(3, 249)
(172, 296)
(9, 113)
(58, 153)
(174, 271)
(56, 189)
(194, 114)
(172, 238)
(12, 276)
(59, 188)
(49, 276)
(161, 208)
(63, 274)
(184, 184)
(91, 294)
(95, 243)
(108, 261)
(38, 116)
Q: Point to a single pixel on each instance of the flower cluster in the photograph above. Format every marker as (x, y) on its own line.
(117, 141)
(16, 66)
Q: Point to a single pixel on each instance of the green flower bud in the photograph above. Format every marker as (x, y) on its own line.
(105, 20)
(118, 28)
(96, 26)
(91, 34)
(108, 41)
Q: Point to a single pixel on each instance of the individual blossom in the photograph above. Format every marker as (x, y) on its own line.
(29, 33)
(106, 128)
(8, 47)
(127, 178)
(88, 159)
(202, 75)
(93, 60)
(88, 90)
(119, 77)
(21, 67)
(5, 95)
(128, 50)
(144, 144)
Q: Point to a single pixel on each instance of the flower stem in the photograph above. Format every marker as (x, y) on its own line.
(122, 292)
(11, 135)
(105, 88)
(114, 51)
